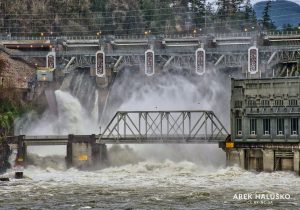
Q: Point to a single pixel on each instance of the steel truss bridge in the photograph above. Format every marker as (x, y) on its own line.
(146, 127)
(278, 53)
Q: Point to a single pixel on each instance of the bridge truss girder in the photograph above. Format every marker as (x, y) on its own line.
(287, 56)
(164, 127)
(77, 61)
(228, 59)
(162, 62)
(283, 62)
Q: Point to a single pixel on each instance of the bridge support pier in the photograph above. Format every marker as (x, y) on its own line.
(235, 157)
(22, 152)
(84, 153)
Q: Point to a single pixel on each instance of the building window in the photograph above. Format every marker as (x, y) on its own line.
(239, 126)
(265, 103)
(252, 126)
(252, 103)
(266, 126)
(278, 102)
(238, 104)
(294, 126)
(293, 102)
(280, 126)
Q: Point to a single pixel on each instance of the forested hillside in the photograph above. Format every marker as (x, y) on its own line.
(51, 17)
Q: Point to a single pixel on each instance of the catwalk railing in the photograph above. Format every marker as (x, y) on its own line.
(141, 36)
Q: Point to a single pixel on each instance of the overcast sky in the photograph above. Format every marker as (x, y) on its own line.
(255, 1)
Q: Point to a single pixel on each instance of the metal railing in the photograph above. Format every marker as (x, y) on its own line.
(141, 36)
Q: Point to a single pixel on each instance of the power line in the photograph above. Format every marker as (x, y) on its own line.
(141, 22)
(107, 18)
(129, 11)
(124, 31)
(90, 12)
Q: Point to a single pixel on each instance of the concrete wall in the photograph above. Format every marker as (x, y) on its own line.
(264, 159)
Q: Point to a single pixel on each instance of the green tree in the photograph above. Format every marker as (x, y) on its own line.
(228, 8)
(98, 5)
(249, 16)
(288, 27)
(249, 11)
(199, 10)
(266, 19)
(123, 17)
(228, 15)
(8, 112)
(148, 10)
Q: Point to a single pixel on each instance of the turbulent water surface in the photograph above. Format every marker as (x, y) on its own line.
(147, 185)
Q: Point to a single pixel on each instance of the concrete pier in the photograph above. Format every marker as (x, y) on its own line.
(253, 160)
(22, 151)
(235, 157)
(296, 161)
(268, 160)
(84, 153)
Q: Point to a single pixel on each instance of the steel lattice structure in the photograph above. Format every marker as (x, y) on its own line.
(164, 127)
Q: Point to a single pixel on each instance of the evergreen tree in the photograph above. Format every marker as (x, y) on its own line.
(228, 15)
(248, 10)
(199, 12)
(148, 10)
(228, 8)
(249, 15)
(98, 6)
(223, 7)
(266, 19)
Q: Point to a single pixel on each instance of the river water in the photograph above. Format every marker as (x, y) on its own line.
(149, 185)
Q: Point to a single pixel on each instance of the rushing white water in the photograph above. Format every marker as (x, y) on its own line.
(148, 185)
(72, 118)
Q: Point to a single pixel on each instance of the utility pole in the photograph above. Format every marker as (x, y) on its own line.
(205, 16)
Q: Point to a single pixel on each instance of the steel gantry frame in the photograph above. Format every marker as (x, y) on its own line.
(164, 127)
